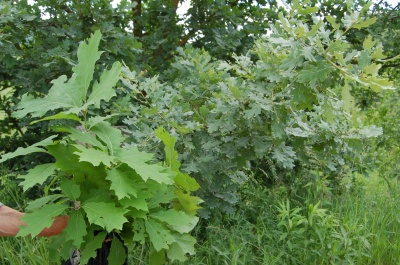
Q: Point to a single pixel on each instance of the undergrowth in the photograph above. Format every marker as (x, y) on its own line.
(360, 225)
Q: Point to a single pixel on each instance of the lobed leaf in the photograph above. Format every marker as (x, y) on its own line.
(21, 151)
(59, 116)
(93, 156)
(40, 219)
(160, 237)
(76, 228)
(70, 189)
(138, 161)
(187, 203)
(106, 215)
(88, 55)
(39, 203)
(103, 90)
(37, 175)
(89, 251)
(112, 137)
(81, 136)
(61, 95)
(179, 221)
(122, 183)
(171, 155)
(183, 245)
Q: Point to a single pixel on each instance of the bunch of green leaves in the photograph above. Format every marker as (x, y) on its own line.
(286, 107)
(103, 186)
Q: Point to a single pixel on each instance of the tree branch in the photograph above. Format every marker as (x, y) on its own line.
(390, 65)
(137, 13)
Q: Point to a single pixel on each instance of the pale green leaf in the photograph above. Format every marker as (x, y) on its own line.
(163, 195)
(377, 84)
(368, 43)
(253, 111)
(40, 219)
(327, 112)
(300, 30)
(93, 156)
(112, 137)
(308, 10)
(332, 21)
(184, 245)
(348, 99)
(284, 155)
(171, 155)
(106, 215)
(103, 90)
(285, 23)
(88, 54)
(37, 175)
(371, 131)
(93, 121)
(365, 23)
(61, 95)
(76, 228)
(186, 202)
(378, 53)
(38, 203)
(364, 59)
(339, 57)
(139, 231)
(160, 237)
(137, 161)
(372, 69)
(338, 46)
(139, 202)
(314, 73)
(81, 136)
(315, 28)
(299, 132)
(122, 183)
(177, 220)
(21, 151)
(70, 189)
(186, 182)
(59, 116)
(67, 161)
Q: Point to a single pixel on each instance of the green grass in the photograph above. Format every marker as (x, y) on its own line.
(375, 207)
(359, 226)
(17, 251)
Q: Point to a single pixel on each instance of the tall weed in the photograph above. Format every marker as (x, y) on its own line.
(373, 205)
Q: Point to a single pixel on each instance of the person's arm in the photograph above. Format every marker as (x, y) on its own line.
(10, 221)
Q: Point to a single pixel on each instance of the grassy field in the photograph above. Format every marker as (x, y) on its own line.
(361, 225)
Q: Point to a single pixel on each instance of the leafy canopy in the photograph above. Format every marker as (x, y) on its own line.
(280, 113)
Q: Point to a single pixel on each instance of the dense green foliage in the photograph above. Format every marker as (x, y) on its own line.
(38, 43)
(283, 108)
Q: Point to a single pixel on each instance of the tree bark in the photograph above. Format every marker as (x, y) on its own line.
(137, 13)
